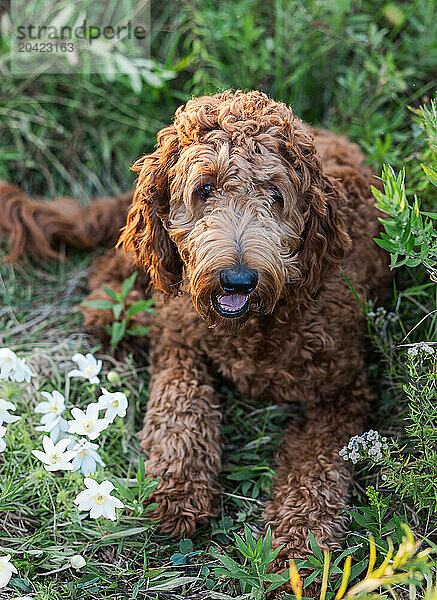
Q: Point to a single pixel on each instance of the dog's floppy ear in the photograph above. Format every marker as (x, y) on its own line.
(144, 234)
(325, 241)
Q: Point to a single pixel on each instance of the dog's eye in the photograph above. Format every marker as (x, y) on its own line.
(204, 191)
(277, 197)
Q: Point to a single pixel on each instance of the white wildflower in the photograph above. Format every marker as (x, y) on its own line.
(52, 421)
(7, 362)
(86, 458)
(370, 445)
(56, 429)
(114, 403)
(5, 417)
(6, 570)
(2, 441)
(77, 561)
(97, 499)
(89, 367)
(55, 457)
(21, 372)
(14, 368)
(419, 348)
(87, 423)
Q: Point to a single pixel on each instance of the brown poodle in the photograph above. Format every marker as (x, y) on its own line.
(243, 218)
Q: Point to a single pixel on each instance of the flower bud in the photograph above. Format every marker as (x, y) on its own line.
(113, 377)
(77, 561)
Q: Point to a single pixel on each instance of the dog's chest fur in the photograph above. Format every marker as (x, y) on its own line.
(280, 357)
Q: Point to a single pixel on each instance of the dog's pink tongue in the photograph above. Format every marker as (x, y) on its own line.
(233, 302)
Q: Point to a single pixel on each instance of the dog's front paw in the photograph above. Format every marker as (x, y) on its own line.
(182, 507)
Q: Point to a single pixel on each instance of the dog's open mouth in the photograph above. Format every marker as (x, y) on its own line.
(230, 305)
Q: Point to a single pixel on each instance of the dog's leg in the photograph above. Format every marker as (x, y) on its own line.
(181, 436)
(313, 481)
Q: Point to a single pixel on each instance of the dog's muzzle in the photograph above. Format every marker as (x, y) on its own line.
(233, 299)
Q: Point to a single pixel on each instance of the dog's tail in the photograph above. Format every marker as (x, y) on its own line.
(37, 228)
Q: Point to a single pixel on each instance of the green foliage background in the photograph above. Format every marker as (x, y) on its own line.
(350, 65)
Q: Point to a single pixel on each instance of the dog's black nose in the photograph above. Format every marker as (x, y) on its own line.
(238, 280)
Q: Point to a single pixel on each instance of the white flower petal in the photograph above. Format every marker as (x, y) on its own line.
(109, 511)
(96, 511)
(106, 487)
(92, 485)
(6, 405)
(41, 456)
(48, 444)
(117, 502)
(75, 373)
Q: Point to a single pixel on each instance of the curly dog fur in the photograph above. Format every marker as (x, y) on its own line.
(238, 180)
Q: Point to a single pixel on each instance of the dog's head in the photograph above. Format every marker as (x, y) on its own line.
(233, 208)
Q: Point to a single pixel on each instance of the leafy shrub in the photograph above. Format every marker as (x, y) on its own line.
(123, 314)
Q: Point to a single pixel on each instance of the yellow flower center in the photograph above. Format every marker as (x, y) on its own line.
(54, 408)
(54, 458)
(88, 426)
(89, 371)
(84, 453)
(100, 499)
(115, 403)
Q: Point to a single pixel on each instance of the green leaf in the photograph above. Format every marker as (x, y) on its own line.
(178, 559)
(315, 546)
(386, 245)
(431, 173)
(141, 473)
(140, 306)
(22, 584)
(171, 583)
(240, 475)
(112, 293)
(185, 546)
(250, 540)
(413, 262)
(358, 569)
(354, 292)
(99, 304)
(127, 285)
(314, 561)
(126, 493)
(245, 551)
(117, 308)
(118, 330)
(229, 563)
(345, 553)
(431, 215)
(310, 579)
(125, 533)
(409, 244)
(150, 485)
(138, 330)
